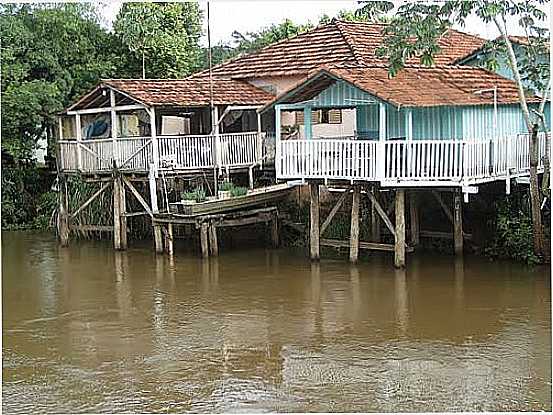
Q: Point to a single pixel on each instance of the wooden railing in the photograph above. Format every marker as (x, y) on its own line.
(407, 161)
(190, 152)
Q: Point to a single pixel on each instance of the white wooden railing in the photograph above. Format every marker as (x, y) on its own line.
(190, 152)
(419, 161)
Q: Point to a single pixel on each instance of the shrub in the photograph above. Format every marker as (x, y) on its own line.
(238, 191)
(226, 186)
(197, 195)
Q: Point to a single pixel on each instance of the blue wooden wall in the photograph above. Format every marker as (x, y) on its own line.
(429, 123)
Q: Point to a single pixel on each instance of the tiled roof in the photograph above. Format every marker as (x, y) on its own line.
(190, 92)
(336, 43)
(414, 86)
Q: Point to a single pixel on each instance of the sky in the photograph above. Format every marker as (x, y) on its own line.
(253, 15)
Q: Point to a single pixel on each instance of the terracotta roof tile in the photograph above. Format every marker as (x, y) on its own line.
(416, 86)
(190, 92)
(338, 43)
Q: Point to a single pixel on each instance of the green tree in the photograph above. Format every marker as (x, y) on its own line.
(414, 33)
(50, 55)
(164, 37)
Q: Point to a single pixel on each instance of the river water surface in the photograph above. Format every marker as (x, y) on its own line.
(86, 329)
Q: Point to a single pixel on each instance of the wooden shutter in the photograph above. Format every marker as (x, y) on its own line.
(315, 117)
(335, 116)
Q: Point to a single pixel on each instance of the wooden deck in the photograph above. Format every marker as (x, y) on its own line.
(175, 153)
(417, 163)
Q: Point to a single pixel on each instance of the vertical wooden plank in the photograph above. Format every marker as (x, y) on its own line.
(314, 221)
(63, 213)
(170, 247)
(414, 218)
(123, 210)
(203, 240)
(274, 231)
(116, 213)
(354, 231)
(399, 247)
(213, 242)
(78, 132)
(375, 218)
(458, 223)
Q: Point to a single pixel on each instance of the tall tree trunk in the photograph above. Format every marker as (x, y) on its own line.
(535, 194)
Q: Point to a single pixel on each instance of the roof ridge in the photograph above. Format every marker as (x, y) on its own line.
(350, 42)
(257, 52)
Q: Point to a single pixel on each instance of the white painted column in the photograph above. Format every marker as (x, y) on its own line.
(278, 161)
(153, 135)
(259, 140)
(115, 149)
(409, 124)
(381, 152)
(78, 133)
(215, 132)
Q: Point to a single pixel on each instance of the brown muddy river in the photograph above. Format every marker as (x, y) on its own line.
(89, 330)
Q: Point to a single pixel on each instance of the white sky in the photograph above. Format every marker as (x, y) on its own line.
(249, 16)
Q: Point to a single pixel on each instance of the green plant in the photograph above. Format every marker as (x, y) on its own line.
(238, 191)
(513, 238)
(226, 186)
(197, 195)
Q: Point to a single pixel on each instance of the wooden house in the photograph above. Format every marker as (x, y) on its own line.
(324, 101)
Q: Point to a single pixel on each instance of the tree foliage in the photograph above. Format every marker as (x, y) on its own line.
(50, 55)
(164, 36)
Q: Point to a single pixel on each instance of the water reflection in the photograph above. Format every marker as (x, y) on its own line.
(87, 329)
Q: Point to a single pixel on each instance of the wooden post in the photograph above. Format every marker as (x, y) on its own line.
(414, 219)
(203, 239)
(458, 223)
(78, 136)
(213, 243)
(117, 213)
(375, 219)
(399, 249)
(354, 232)
(314, 225)
(116, 155)
(63, 214)
(123, 210)
(158, 239)
(278, 127)
(274, 231)
(170, 248)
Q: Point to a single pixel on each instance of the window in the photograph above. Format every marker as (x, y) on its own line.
(322, 116)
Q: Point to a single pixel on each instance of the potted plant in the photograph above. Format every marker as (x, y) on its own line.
(238, 191)
(225, 190)
(195, 196)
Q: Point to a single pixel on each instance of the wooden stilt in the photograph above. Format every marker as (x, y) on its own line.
(274, 231)
(63, 214)
(354, 231)
(122, 212)
(213, 243)
(414, 219)
(170, 247)
(399, 249)
(158, 239)
(203, 240)
(314, 217)
(116, 213)
(458, 223)
(375, 219)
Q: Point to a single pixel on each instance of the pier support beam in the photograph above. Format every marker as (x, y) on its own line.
(399, 248)
(169, 239)
(63, 213)
(123, 211)
(213, 242)
(375, 219)
(458, 223)
(274, 231)
(314, 217)
(117, 213)
(354, 231)
(203, 240)
(414, 218)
